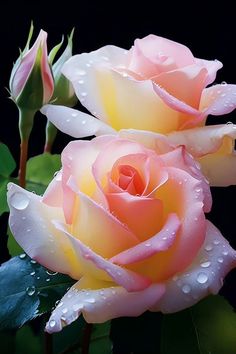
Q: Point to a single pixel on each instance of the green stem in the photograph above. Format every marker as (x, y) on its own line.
(26, 119)
(51, 132)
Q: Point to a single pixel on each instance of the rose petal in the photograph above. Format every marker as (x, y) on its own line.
(100, 268)
(106, 235)
(77, 161)
(182, 195)
(218, 99)
(158, 243)
(75, 123)
(214, 148)
(82, 69)
(102, 304)
(126, 207)
(205, 276)
(53, 195)
(192, 78)
(31, 224)
(212, 67)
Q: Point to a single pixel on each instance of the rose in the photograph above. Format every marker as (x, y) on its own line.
(157, 85)
(125, 217)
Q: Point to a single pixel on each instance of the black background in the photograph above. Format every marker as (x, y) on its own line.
(206, 28)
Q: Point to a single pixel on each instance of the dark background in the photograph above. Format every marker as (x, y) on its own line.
(206, 28)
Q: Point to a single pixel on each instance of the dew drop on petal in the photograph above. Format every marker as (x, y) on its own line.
(225, 253)
(147, 244)
(208, 247)
(65, 310)
(205, 264)
(216, 242)
(186, 289)
(52, 323)
(80, 72)
(220, 260)
(202, 278)
(60, 304)
(19, 201)
(30, 290)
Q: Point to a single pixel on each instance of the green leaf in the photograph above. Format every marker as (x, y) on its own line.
(40, 171)
(27, 290)
(34, 343)
(7, 166)
(7, 162)
(100, 341)
(208, 327)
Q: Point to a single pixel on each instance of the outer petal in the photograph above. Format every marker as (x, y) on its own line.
(212, 67)
(77, 160)
(218, 99)
(31, 224)
(100, 268)
(53, 195)
(75, 123)
(81, 70)
(102, 304)
(205, 276)
(214, 148)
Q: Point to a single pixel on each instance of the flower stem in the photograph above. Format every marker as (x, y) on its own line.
(51, 132)
(26, 118)
(23, 160)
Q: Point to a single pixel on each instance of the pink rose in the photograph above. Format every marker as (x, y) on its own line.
(157, 85)
(125, 217)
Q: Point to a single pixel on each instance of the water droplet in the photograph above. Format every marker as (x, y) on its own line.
(30, 290)
(81, 82)
(180, 182)
(60, 304)
(22, 256)
(202, 278)
(91, 301)
(216, 242)
(88, 65)
(65, 310)
(124, 74)
(113, 292)
(84, 94)
(83, 122)
(220, 260)
(23, 217)
(52, 323)
(195, 219)
(205, 264)
(68, 120)
(33, 261)
(225, 253)
(51, 272)
(223, 83)
(80, 72)
(32, 273)
(208, 247)
(19, 201)
(38, 278)
(48, 279)
(186, 289)
(147, 244)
